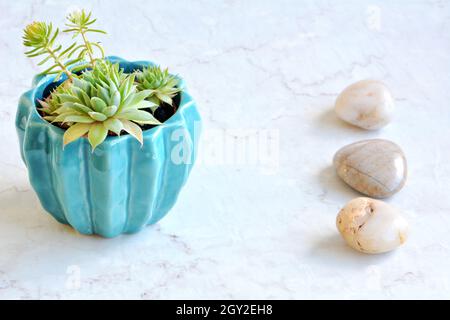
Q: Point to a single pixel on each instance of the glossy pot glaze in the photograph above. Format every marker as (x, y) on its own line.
(120, 187)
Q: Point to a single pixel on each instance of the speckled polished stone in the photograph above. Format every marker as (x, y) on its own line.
(372, 226)
(376, 168)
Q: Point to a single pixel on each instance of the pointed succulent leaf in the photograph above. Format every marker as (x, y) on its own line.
(82, 95)
(154, 100)
(126, 88)
(80, 84)
(49, 118)
(102, 93)
(97, 116)
(62, 117)
(139, 116)
(74, 132)
(81, 108)
(114, 125)
(67, 97)
(43, 104)
(115, 98)
(97, 134)
(80, 67)
(110, 111)
(78, 119)
(164, 98)
(98, 104)
(66, 108)
(136, 98)
(133, 129)
(146, 104)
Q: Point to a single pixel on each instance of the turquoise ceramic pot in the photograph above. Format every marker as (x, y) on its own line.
(120, 187)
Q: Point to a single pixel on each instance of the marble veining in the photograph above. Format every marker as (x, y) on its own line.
(240, 230)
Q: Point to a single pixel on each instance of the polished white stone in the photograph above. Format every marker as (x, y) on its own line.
(367, 104)
(242, 230)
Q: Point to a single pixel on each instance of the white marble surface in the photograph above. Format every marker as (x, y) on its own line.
(240, 230)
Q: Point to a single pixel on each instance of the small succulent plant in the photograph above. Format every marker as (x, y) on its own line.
(103, 100)
(161, 85)
(97, 98)
(52, 102)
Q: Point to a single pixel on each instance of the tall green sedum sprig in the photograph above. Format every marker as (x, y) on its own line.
(79, 24)
(41, 37)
